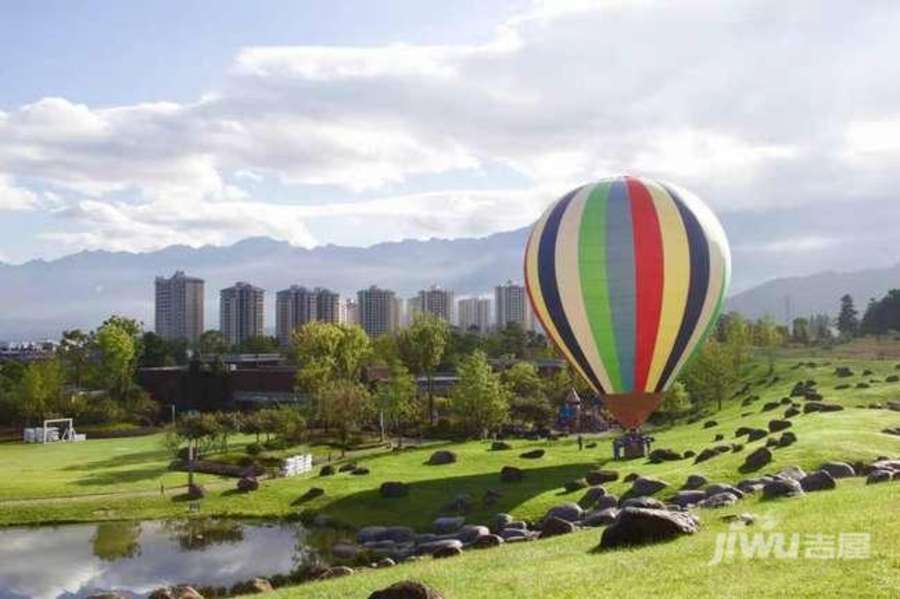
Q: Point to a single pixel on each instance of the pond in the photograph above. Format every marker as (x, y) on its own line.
(134, 558)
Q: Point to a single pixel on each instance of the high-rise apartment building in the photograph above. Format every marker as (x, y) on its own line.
(378, 310)
(349, 312)
(438, 302)
(511, 305)
(474, 313)
(298, 305)
(241, 314)
(179, 307)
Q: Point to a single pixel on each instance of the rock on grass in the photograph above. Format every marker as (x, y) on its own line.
(639, 526)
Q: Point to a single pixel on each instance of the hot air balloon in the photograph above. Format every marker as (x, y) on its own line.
(627, 277)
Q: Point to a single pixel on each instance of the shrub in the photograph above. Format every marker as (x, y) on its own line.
(254, 449)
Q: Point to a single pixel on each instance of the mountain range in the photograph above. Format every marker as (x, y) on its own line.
(41, 298)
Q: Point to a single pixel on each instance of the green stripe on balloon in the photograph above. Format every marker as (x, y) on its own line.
(594, 282)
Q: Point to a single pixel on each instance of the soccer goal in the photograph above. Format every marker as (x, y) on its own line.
(54, 430)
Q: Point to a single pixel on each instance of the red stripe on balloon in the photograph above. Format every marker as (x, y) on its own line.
(648, 266)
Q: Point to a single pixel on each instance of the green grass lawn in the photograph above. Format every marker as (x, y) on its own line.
(120, 468)
(569, 566)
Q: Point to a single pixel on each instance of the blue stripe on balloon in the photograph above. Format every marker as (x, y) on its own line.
(698, 249)
(547, 275)
(621, 275)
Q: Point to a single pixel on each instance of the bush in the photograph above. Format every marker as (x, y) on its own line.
(276, 443)
(254, 449)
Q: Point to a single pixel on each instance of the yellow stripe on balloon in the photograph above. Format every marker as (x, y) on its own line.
(533, 284)
(568, 279)
(676, 277)
(719, 271)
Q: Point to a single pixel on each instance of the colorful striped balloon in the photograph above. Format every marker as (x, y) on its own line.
(627, 275)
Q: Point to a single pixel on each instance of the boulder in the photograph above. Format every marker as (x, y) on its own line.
(370, 534)
(447, 551)
(514, 533)
(630, 477)
(716, 488)
(360, 471)
(737, 447)
(638, 526)
(511, 474)
(644, 486)
(838, 469)
(687, 498)
(500, 446)
(602, 517)
(570, 512)
(819, 480)
(778, 425)
(710, 424)
(491, 496)
(658, 456)
(247, 483)
(742, 430)
(348, 467)
(782, 488)
(384, 562)
(499, 522)
(606, 501)
(399, 534)
(791, 412)
(589, 499)
(705, 454)
(818, 406)
(756, 434)
(554, 527)
(599, 477)
(756, 459)
(430, 547)
(786, 438)
(575, 485)
(407, 589)
(689, 453)
(719, 437)
(642, 502)
(486, 541)
(392, 489)
(718, 500)
(442, 457)
(772, 405)
(311, 493)
(461, 504)
(694, 481)
(879, 476)
(470, 532)
(335, 572)
(447, 524)
(792, 472)
(533, 454)
(327, 470)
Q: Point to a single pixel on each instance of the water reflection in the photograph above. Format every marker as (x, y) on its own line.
(134, 558)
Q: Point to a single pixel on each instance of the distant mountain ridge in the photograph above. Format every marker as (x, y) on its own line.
(42, 297)
(791, 297)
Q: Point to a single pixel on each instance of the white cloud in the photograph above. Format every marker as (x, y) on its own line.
(752, 106)
(800, 245)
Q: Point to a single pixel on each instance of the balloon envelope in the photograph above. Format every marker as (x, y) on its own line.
(627, 275)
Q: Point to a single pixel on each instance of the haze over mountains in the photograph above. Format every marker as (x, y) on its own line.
(41, 298)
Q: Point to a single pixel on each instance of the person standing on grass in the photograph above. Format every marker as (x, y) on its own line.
(580, 442)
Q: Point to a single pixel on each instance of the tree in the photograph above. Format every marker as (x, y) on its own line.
(162, 352)
(229, 423)
(213, 343)
(848, 317)
(344, 405)
(480, 400)
(532, 409)
(260, 344)
(118, 359)
(290, 424)
(712, 374)
(522, 380)
(675, 402)
(800, 330)
(326, 352)
(767, 337)
(39, 391)
(396, 400)
(421, 347)
(74, 354)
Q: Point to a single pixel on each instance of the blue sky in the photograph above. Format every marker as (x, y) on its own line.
(135, 125)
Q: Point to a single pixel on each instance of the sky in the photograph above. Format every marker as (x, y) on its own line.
(133, 126)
